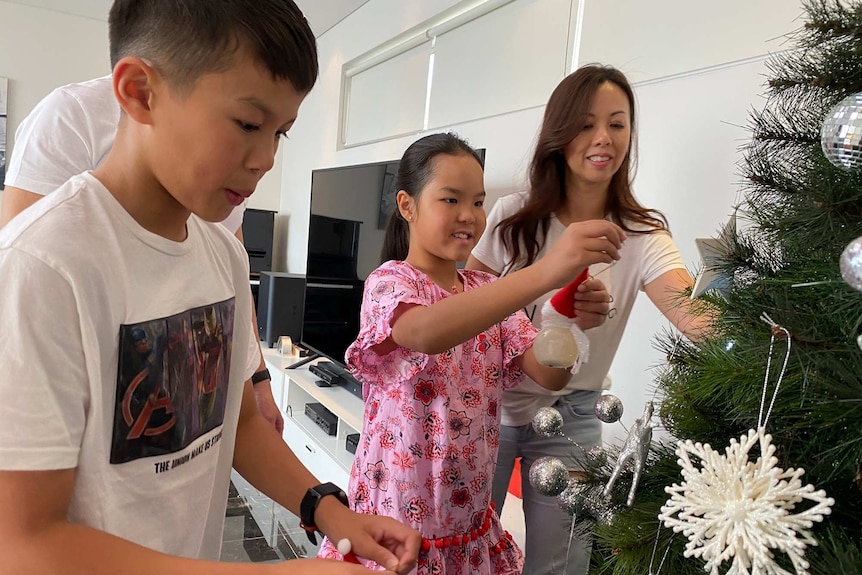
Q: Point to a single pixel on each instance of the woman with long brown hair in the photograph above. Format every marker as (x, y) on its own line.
(581, 170)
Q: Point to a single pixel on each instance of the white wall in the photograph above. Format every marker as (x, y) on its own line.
(700, 73)
(41, 49)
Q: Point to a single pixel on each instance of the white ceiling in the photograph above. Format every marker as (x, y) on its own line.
(322, 14)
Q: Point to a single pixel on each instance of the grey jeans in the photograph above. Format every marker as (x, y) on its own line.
(549, 527)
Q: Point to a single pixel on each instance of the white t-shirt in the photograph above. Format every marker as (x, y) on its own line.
(71, 131)
(643, 258)
(116, 361)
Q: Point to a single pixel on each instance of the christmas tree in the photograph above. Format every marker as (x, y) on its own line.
(787, 307)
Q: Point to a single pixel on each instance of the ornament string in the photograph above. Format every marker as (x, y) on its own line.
(612, 311)
(571, 536)
(654, 548)
(776, 331)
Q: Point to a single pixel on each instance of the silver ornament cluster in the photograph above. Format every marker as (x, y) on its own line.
(850, 264)
(841, 133)
(548, 422)
(571, 500)
(549, 476)
(608, 408)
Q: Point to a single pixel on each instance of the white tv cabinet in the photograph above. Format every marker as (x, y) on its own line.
(326, 456)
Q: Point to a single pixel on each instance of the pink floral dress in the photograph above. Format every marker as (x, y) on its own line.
(431, 428)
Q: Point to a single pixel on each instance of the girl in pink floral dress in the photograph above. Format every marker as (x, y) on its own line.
(436, 349)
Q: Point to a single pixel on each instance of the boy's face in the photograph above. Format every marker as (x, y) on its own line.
(212, 144)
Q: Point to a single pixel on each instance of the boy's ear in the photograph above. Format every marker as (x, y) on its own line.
(405, 205)
(134, 83)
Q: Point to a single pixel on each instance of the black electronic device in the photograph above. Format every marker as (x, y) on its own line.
(258, 227)
(280, 304)
(331, 373)
(326, 371)
(351, 384)
(351, 442)
(350, 207)
(321, 416)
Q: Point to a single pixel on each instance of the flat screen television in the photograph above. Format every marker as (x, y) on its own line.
(350, 207)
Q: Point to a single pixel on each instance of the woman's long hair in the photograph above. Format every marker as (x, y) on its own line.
(565, 116)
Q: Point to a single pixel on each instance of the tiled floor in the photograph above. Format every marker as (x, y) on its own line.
(257, 530)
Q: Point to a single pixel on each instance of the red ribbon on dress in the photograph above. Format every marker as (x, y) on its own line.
(472, 535)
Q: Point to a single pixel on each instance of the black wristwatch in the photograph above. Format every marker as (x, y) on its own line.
(309, 505)
(259, 376)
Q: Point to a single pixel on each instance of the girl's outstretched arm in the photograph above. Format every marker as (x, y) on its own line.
(454, 320)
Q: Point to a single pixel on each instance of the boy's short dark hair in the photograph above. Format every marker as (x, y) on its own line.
(185, 39)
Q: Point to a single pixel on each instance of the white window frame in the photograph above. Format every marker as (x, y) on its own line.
(458, 15)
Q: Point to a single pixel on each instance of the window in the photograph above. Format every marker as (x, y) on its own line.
(479, 58)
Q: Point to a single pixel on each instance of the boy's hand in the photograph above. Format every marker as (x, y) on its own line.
(387, 542)
(580, 245)
(592, 303)
(322, 567)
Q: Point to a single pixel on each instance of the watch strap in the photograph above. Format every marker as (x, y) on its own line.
(309, 504)
(261, 375)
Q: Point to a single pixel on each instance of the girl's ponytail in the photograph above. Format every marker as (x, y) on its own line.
(396, 239)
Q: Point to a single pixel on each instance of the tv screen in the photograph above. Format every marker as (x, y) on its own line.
(350, 207)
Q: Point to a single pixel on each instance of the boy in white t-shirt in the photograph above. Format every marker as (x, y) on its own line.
(124, 394)
(71, 130)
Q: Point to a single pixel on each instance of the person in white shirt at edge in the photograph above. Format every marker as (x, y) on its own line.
(71, 130)
(580, 170)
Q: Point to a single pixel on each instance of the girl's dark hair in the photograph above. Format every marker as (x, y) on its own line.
(565, 116)
(185, 39)
(414, 170)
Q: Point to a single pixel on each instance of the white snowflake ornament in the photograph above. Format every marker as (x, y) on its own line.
(734, 509)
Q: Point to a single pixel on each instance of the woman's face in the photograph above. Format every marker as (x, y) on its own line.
(598, 151)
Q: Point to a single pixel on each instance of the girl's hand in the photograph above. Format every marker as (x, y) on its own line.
(581, 245)
(592, 303)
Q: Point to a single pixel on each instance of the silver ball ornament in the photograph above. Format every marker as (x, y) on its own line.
(841, 133)
(598, 508)
(597, 455)
(850, 264)
(548, 422)
(609, 408)
(549, 476)
(571, 500)
(606, 517)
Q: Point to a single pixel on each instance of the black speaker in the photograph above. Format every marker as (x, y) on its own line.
(280, 305)
(257, 232)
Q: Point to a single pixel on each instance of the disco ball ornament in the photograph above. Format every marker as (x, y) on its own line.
(549, 476)
(548, 422)
(841, 133)
(850, 264)
(571, 500)
(609, 408)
